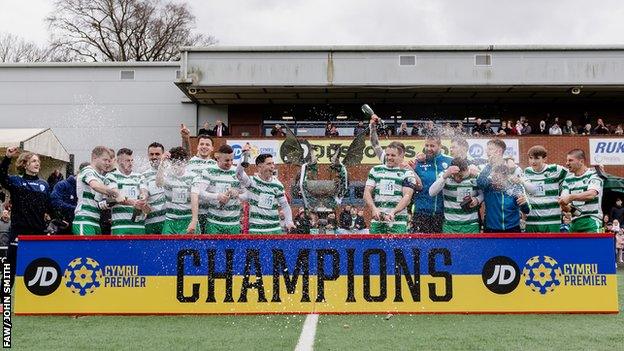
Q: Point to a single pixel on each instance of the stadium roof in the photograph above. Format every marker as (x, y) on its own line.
(39, 141)
(402, 74)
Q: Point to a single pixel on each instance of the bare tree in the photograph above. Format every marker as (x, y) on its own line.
(123, 30)
(16, 49)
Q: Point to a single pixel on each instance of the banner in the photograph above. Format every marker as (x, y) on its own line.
(316, 274)
(477, 149)
(607, 151)
(325, 149)
(258, 146)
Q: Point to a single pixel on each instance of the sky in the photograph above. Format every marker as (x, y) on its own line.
(377, 22)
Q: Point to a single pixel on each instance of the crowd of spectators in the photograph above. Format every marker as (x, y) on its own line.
(347, 220)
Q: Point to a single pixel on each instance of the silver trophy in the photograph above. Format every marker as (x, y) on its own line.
(321, 196)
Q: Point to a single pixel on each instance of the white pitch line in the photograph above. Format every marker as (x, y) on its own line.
(308, 332)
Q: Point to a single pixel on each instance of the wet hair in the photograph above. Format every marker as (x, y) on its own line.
(397, 145)
(461, 163)
(225, 149)
(578, 153)
(178, 154)
(502, 170)
(23, 160)
(262, 157)
(83, 165)
(124, 151)
(99, 151)
(205, 136)
(157, 144)
(498, 143)
(435, 138)
(538, 151)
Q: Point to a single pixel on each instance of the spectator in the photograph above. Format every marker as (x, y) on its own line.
(333, 132)
(403, 130)
(54, 178)
(526, 128)
(555, 130)
(5, 225)
(206, 130)
(302, 222)
(460, 129)
(619, 246)
(328, 128)
(615, 227)
(502, 130)
(542, 128)
(330, 227)
(448, 131)
(587, 130)
(345, 220)
(277, 131)
(478, 128)
(430, 129)
(519, 127)
(415, 130)
(359, 128)
(487, 130)
(601, 129)
(565, 222)
(617, 211)
(569, 128)
(360, 223)
(221, 130)
(510, 130)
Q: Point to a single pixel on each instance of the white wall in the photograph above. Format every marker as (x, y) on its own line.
(88, 104)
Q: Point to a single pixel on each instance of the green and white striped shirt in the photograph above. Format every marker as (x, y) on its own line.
(215, 180)
(197, 165)
(178, 195)
(454, 194)
(87, 211)
(589, 180)
(128, 186)
(156, 197)
(545, 208)
(264, 199)
(387, 186)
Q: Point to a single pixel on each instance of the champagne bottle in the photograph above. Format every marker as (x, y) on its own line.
(368, 111)
(245, 162)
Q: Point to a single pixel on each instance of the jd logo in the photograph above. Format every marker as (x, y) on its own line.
(42, 276)
(501, 275)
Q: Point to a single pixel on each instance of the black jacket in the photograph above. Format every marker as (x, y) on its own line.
(360, 223)
(345, 220)
(30, 197)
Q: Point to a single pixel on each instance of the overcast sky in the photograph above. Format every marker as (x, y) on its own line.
(390, 22)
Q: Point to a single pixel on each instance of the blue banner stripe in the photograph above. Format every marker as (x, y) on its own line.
(467, 256)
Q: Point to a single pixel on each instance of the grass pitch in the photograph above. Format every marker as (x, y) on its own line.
(341, 332)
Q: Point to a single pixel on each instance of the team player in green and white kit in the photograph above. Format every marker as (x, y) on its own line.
(197, 164)
(127, 183)
(459, 188)
(177, 181)
(581, 194)
(154, 195)
(90, 186)
(219, 187)
(545, 214)
(265, 194)
(388, 191)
